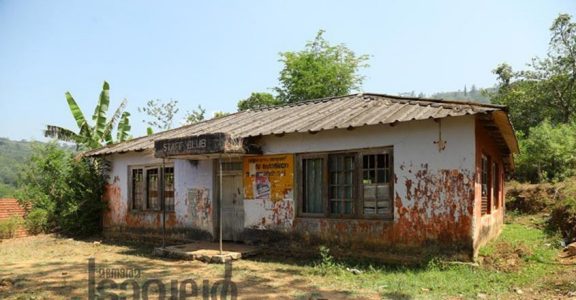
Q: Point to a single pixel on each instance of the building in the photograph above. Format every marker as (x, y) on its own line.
(368, 169)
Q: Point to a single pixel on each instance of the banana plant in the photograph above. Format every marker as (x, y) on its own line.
(99, 134)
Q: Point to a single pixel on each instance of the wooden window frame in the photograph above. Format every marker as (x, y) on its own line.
(300, 177)
(145, 200)
(497, 185)
(485, 175)
(390, 213)
(357, 188)
(354, 200)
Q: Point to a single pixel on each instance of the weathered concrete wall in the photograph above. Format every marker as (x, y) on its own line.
(488, 226)
(434, 190)
(184, 222)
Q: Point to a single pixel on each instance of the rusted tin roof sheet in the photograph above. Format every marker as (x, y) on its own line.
(311, 116)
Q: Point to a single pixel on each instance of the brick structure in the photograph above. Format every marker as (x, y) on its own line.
(10, 207)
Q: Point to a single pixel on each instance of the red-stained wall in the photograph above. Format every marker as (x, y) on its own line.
(9, 208)
(487, 226)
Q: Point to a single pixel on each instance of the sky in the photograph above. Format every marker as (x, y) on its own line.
(214, 53)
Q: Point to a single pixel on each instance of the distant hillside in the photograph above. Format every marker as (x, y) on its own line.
(13, 157)
(472, 94)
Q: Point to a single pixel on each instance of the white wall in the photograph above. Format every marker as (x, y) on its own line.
(414, 150)
(186, 176)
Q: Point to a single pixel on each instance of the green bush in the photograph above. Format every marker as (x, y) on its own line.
(36, 221)
(563, 219)
(9, 226)
(547, 153)
(65, 193)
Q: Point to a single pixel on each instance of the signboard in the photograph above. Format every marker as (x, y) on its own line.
(269, 177)
(199, 144)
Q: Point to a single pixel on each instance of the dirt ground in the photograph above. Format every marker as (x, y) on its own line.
(48, 267)
(51, 267)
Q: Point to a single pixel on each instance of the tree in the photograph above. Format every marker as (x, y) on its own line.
(197, 115)
(547, 89)
(220, 114)
(258, 101)
(161, 114)
(63, 193)
(94, 136)
(320, 70)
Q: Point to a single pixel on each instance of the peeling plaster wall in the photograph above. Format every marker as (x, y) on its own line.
(434, 190)
(183, 223)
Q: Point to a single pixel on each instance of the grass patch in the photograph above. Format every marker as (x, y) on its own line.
(517, 259)
(523, 257)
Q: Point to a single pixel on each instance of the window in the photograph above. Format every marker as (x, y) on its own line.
(341, 196)
(145, 188)
(137, 189)
(496, 185)
(376, 170)
(312, 185)
(352, 184)
(485, 177)
(169, 188)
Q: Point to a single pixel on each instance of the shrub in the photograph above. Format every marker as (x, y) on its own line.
(547, 153)
(65, 193)
(563, 218)
(9, 226)
(530, 198)
(36, 221)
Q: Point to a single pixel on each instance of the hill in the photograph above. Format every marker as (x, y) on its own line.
(472, 94)
(13, 157)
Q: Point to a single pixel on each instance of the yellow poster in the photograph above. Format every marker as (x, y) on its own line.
(268, 177)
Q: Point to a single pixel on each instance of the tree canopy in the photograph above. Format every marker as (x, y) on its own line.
(547, 89)
(320, 70)
(257, 101)
(161, 114)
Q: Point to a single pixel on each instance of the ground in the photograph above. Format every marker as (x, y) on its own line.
(523, 263)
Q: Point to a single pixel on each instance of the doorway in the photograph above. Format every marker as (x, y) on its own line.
(232, 204)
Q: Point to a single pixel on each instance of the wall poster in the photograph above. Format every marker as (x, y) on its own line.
(268, 177)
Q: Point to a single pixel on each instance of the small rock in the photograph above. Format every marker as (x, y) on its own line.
(354, 271)
(97, 243)
(425, 289)
(570, 249)
(482, 296)
(518, 291)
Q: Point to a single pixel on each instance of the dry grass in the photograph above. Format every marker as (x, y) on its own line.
(523, 258)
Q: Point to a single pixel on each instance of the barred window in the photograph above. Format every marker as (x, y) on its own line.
(351, 184)
(376, 170)
(145, 188)
(169, 188)
(485, 177)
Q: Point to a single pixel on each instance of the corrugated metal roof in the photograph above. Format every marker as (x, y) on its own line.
(311, 116)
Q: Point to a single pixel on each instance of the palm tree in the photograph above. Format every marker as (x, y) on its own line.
(92, 137)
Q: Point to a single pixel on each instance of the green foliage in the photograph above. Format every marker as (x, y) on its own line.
(320, 70)
(68, 190)
(473, 95)
(197, 115)
(258, 101)
(13, 157)
(547, 90)
(220, 114)
(161, 114)
(547, 153)
(563, 216)
(327, 264)
(93, 136)
(9, 226)
(37, 221)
